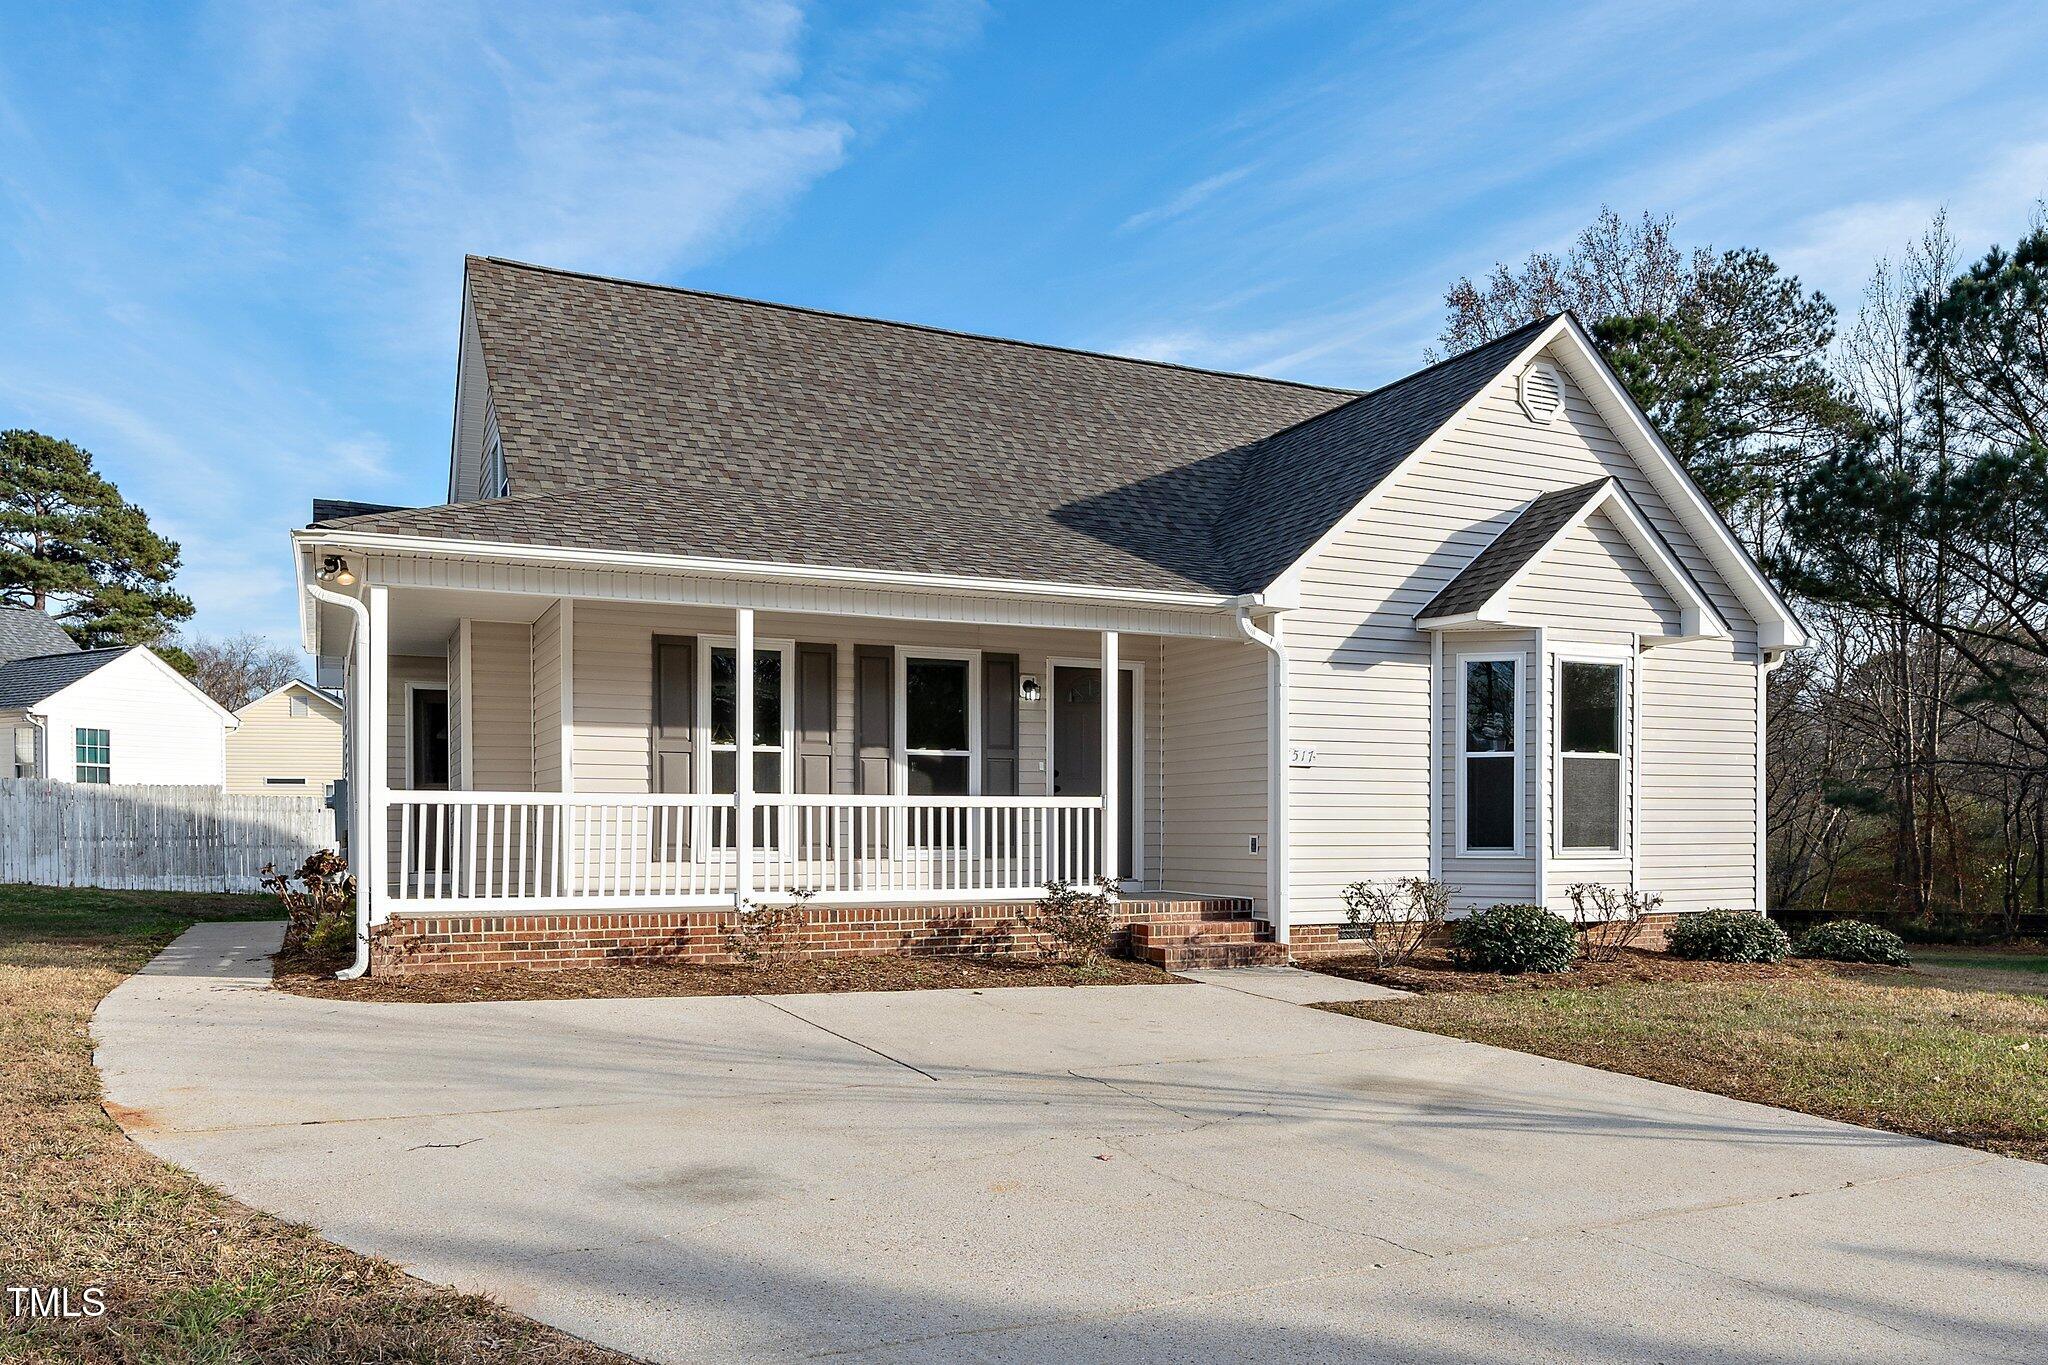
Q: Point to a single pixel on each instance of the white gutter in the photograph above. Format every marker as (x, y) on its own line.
(1276, 765)
(752, 569)
(1771, 662)
(359, 785)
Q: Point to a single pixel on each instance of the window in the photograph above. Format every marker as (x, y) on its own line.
(938, 752)
(491, 478)
(301, 708)
(725, 696)
(284, 781)
(1489, 755)
(95, 755)
(24, 751)
(1589, 743)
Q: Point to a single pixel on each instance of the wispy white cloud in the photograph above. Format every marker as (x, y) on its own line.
(1187, 200)
(254, 290)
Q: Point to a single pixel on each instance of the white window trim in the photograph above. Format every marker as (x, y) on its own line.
(1519, 782)
(1613, 657)
(900, 748)
(78, 768)
(785, 648)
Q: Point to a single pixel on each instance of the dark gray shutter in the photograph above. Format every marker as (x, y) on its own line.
(816, 667)
(999, 724)
(674, 730)
(874, 718)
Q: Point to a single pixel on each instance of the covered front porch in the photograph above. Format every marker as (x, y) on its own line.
(544, 754)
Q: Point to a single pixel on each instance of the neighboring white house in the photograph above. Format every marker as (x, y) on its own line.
(111, 716)
(1477, 623)
(288, 742)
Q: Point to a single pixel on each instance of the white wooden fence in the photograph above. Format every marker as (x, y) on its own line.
(152, 838)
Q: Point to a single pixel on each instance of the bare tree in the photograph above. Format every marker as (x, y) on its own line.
(236, 669)
(1612, 269)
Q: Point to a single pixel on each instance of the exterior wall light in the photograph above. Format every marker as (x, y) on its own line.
(1029, 690)
(335, 569)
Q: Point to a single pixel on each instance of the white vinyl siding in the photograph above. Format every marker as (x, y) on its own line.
(158, 729)
(276, 742)
(498, 717)
(613, 681)
(1215, 696)
(1359, 668)
(546, 722)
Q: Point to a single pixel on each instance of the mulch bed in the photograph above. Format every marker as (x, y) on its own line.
(799, 976)
(1431, 971)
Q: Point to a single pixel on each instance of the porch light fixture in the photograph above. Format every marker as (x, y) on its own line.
(1028, 688)
(335, 569)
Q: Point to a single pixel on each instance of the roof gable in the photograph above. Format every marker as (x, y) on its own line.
(1481, 593)
(34, 680)
(305, 689)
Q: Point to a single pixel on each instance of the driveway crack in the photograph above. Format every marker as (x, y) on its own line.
(907, 1066)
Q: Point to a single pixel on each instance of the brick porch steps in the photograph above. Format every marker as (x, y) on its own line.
(1219, 940)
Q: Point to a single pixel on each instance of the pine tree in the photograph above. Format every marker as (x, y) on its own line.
(69, 541)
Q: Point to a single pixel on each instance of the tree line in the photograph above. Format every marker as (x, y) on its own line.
(1890, 472)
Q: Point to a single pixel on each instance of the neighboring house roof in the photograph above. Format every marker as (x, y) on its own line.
(26, 632)
(34, 680)
(25, 683)
(1480, 593)
(319, 694)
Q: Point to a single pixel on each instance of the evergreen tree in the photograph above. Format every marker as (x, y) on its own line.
(69, 540)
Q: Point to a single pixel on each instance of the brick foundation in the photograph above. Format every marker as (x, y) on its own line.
(409, 944)
(1320, 940)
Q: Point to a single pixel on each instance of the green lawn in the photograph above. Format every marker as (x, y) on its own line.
(1961, 1066)
(188, 1274)
(1983, 959)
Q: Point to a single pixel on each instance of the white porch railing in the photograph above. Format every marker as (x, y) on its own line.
(545, 851)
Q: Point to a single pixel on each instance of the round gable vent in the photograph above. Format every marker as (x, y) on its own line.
(1542, 392)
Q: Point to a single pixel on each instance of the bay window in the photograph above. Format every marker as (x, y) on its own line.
(1590, 734)
(1489, 755)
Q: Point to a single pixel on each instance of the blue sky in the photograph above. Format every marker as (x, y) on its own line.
(231, 234)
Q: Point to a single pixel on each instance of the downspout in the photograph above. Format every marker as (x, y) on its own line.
(1770, 664)
(1276, 767)
(359, 786)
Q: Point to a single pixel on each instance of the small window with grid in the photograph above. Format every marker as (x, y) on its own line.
(94, 754)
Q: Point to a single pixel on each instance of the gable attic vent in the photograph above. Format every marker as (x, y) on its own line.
(1542, 392)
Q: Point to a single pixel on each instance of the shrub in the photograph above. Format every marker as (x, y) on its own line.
(319, 904)
(1514, 939)
(1394, 917)
(1607, 918)
(1728, 936)
(1848, 940)
(1077, 924)
(769, 931)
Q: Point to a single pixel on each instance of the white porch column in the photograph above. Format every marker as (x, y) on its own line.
(1112, 770)
(743, 755)
(374, 875)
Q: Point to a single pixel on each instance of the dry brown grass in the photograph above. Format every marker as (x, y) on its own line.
(189, 1274)
(796, 976)
(1874, 1048)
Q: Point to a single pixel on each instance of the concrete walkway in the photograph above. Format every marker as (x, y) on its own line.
(1109, 1173)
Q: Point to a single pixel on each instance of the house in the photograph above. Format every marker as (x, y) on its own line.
(1477, 624)
(288, 742)
(111, 716)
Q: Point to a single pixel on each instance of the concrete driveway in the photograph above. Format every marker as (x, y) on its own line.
(1115, 1173)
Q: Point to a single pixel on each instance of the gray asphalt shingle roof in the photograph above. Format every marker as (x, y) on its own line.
(1514, 547)
(25, 631)
(647, 418)
(29, 681)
